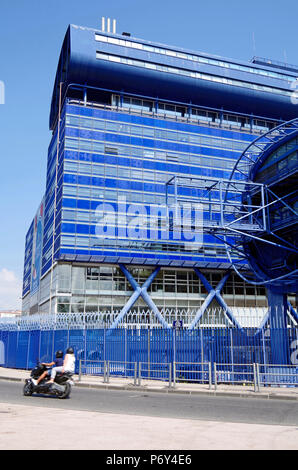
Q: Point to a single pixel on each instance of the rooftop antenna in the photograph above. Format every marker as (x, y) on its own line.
(254, 43)
(285, 57)
(107, 23)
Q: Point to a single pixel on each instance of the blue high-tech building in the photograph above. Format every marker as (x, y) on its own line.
(127, 115)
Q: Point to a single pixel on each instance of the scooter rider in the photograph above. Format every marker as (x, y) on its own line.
(68, 365)
(57, 363)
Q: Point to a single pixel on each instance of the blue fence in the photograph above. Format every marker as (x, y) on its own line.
(22, 349)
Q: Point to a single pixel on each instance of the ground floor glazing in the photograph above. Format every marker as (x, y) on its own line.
(78, 288)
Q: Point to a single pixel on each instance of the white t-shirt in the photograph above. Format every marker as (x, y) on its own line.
(69, 363)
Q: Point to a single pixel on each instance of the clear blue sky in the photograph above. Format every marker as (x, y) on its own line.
(31, 34)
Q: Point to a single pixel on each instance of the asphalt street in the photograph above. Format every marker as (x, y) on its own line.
(153, 404)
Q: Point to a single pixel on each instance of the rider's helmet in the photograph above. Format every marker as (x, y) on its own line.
(69, 351)
(59, 354)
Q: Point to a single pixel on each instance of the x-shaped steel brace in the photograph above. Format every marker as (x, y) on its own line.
(213, 294)
(139, 291)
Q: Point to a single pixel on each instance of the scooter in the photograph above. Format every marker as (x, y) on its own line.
(61, 388)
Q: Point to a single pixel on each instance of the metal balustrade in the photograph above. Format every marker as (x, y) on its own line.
(189, 118)
(277, 374)
(155, 371)
(187, 372)
(183, 373)
(236, 374)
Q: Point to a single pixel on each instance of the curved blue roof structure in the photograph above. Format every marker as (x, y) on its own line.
(107, 61)
(272, 160)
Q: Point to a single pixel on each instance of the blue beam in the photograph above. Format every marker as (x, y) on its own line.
(263, 324)
(293, 312)
(139, 291)
(213, 294)
(202, 310)
(228, 312)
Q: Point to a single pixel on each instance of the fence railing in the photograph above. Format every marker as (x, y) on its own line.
(108, 368)
(188, 372)
(206, 373)
(22, 348)
(276, 374)
(155, 371)
(237, 374)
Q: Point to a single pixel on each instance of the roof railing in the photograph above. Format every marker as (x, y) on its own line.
(168, 117)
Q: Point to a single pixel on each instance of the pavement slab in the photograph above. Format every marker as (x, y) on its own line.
(36, 428)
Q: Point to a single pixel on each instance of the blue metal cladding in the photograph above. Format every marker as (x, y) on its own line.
(78, 65)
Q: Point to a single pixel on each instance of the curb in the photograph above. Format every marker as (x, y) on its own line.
(12, 379)
(214, 393)
(138, 388)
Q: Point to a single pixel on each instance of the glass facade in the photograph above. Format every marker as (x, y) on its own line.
(104, 288)
(111, 157)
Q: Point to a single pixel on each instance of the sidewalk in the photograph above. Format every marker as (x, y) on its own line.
(120, 383)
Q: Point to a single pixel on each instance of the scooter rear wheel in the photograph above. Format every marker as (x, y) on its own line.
(66, 392)
(28, 389)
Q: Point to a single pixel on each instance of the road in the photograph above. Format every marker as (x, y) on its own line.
(199, 407)
(145, 420)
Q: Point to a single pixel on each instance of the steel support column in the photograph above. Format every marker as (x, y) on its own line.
(139, 291)
(213, 294)
(278, 307)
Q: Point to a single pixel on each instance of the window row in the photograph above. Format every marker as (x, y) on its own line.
(130, 247)
(115, 149)
(275, 170)
(275, 156)
(221, 119)
(93, 193)
(191, 74)
(98, 169)
(112, 278)
(119, 127)
(192, 57)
